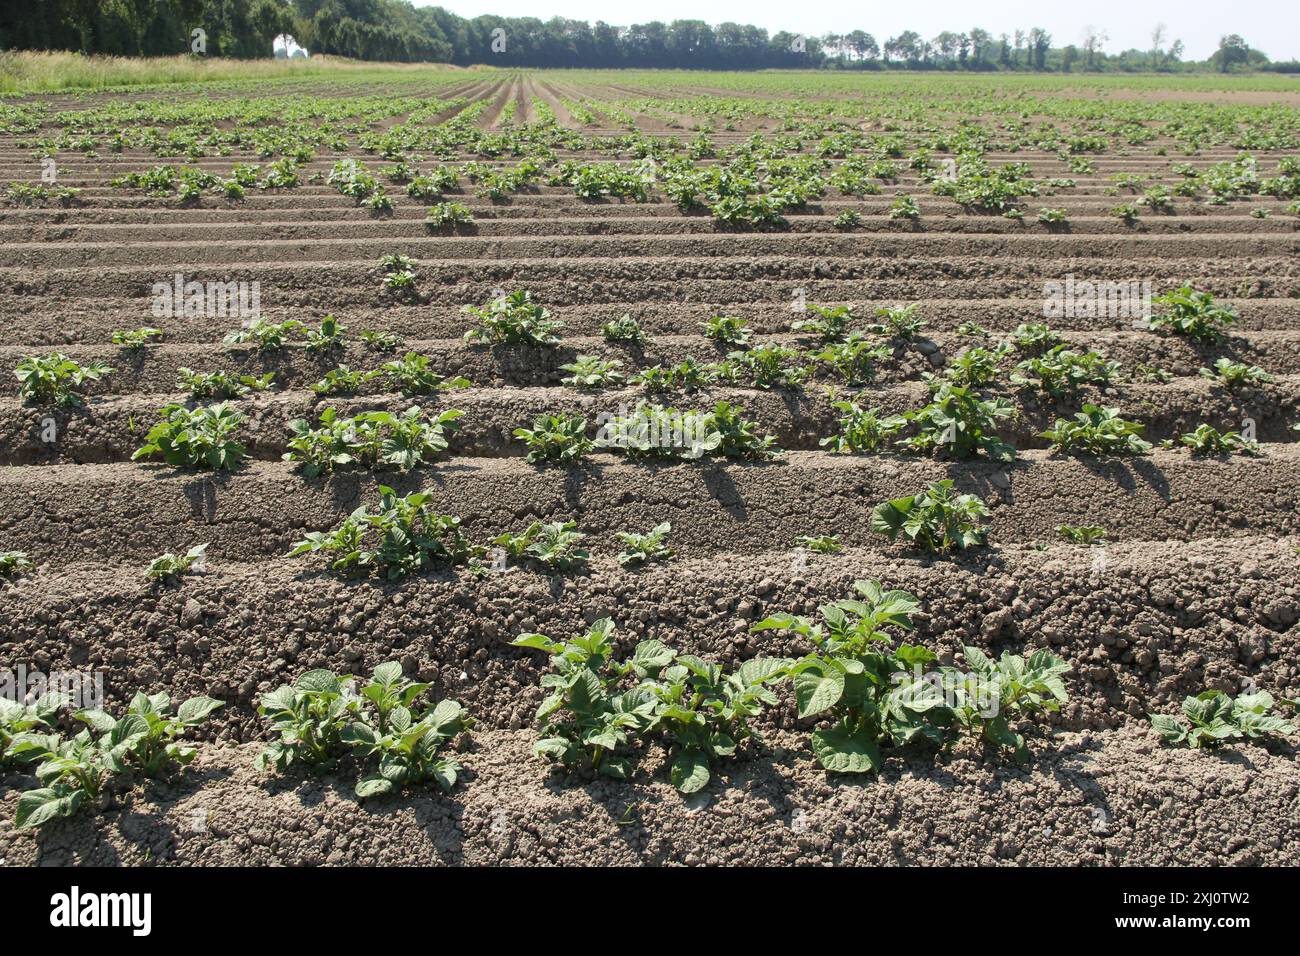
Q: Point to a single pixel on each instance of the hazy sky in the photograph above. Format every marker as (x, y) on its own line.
(1269, 25)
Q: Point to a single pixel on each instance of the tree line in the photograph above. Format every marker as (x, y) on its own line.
(394, 30)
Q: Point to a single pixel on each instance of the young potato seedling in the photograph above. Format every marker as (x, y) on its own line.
(268, 336)
(1232, 374)
(413, 376)
(18, 718)
(1097, 431)
(935, 520)
(644, 548)
(727, 330)
(134, 340)
(553, 545)
(624, 329)
(821, 543)
(221, 385)
(55, 379)
(14, 563)
(308, 717)
(404, 536)
(371, 440)
(513, 319)
(1087, 534)
(1192, 314)
(169, 568)
(145, 741)
(585, 718)
(985, 700)
(592, 372)
(1208, 440)
(856, 681)
(556, 438)
(1216, 718)
(197, 438)
(861, 430)
(408, 742)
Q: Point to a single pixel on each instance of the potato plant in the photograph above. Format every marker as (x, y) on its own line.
(821, 543)
(624, 329)
(592, 372)
(308, 718)
(267, 336)
(861, 429)
(1097, 431)
(1234, 375)
(1205, 439)
(196, 438)
(586, 720)
(555, 438)
(727, 330)
(985, 700)
(936, 520)
(407, 741)
(1213, 718)
(412, 375)
(169, 568)
(552, 545)
(854, 360)
(701, 711)
(372, 440)
(221, 385)
(146, 741)
(133, 340)
(513, 319)
(856, 681)
(403, 536)
(1192, 314)
(959, 424)
(14, 563)
(18, 718)
(1086, 534)
(644, 548)
(55, 379)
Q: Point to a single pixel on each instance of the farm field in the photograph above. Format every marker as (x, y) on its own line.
(839, 291)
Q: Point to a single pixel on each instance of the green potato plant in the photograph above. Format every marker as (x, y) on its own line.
(404, 536)
(308, 718)
(555, 438)
(169, 568)
(586, 720)
(513, 319)
(55, 379)
(935, 520)
(196, 438)
(855, 680)
(645, 548)
(408, 742)
(1214, 718)
(221, 385)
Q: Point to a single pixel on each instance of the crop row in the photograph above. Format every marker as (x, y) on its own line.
(866, 694)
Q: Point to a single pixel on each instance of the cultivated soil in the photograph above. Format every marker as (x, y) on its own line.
(1197, 587)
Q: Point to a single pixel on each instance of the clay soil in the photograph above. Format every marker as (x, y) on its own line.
(1198, 587)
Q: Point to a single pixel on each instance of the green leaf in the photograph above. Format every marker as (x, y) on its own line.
(196, 709)
(690, 771)
(373, 786)
(38, 807)
(817, 690)
(840, 752)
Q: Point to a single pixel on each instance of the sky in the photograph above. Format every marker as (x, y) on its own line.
(1269, 25)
